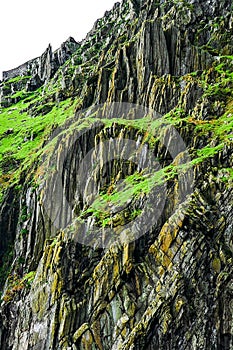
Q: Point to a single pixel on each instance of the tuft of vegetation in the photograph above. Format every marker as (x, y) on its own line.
(15, 285)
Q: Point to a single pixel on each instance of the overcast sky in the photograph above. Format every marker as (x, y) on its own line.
(27, 27)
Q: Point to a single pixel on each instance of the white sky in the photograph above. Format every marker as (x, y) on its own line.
(27, 27)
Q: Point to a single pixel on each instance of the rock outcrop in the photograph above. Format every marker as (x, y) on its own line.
(45, 65)
(116, 185)
(35, 72)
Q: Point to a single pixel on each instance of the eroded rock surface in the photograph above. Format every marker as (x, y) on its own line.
(171, 288)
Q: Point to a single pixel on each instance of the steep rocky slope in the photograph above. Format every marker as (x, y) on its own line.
(116, 185)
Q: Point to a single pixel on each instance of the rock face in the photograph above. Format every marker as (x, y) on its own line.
(36, 72)
(102, 248)
(45, 65)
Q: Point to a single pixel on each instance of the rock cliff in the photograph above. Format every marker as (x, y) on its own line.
(116, 185)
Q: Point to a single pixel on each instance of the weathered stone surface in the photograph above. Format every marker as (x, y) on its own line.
(172, 287)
